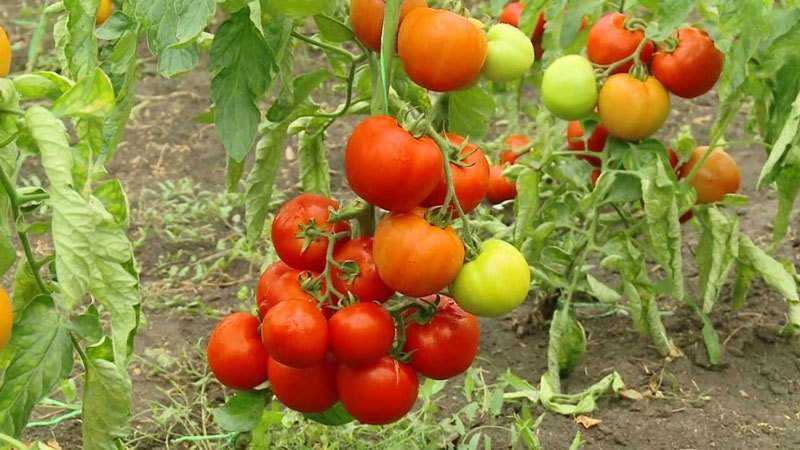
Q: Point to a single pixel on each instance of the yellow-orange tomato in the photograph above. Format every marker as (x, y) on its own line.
(633, 109)
(366, 17)
(414, 257)
(719, 175)
(5, 53)
(104, 11)
(441, 50)
(6, 318)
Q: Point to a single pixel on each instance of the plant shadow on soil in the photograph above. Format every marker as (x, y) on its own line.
(753, 401)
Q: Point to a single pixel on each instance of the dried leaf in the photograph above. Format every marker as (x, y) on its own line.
(587, 422)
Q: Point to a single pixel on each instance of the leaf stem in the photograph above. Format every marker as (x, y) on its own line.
(13, 442)
(324, 46)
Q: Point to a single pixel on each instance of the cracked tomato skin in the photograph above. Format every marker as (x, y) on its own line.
(378, 393)
(366, 17)
(471, 181)
(308, 390)
(361, 334)
(290, 220)
(6, 318)
(445, 346)
(632, 109)
(5, 53)
(597, 141)
(693, 68)
(414, 257)
(235, 353)
(719, 175)
(513, 142)
(440, 50)
(500, 187)
(388, 167)
(367, 286)
(609, 42)
(295, 333)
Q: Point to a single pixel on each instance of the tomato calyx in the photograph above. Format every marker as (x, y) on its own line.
(670, 44)
(423, 312)
(635, 24)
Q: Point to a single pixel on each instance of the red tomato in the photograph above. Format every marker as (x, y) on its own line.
(441, 50)
(597, 141)
(673, 158)
(378, 393)
(719, 175)
(514, 142)
(595, 176)
(361, 334)
(268, 278)
(500, 187)
(295, 333)
(687, 216)
(366, 17)
(273, 290)
(693, 68)
(445, 346)
(471, 179)
(511, 15)
(235, 353)
(414, 257)
(290, 220)
(388, 167)
(367, 286)
(308, 390)
(609, 42)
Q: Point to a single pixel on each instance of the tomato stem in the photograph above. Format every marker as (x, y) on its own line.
(607, 69)
(325, 46)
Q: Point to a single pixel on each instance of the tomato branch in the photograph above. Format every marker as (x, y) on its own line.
(325, 46)
(608, 69)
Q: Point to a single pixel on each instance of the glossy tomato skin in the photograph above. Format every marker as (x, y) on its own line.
(270, 276)
(718, 176)
(290, 220)
(366, 17)
(513, 142)
(445, 346)
(361, 334)
(295, 333)
(378, 393)
(510, 54)
(495, 282)
(440, 50)
(388, 167)
(500, 187)
(308, 390)
(6, 318)
(609, 42)
(367, 286)
(235, 353)
(5, 53)
(104, 10)
(632, 109)
(274, 289)
(414, 257)
(597, 141)
(470, 181)
(693, 68)
(569, 87)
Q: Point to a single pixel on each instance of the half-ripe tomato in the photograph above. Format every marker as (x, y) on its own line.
(388, 167)
(470, 177)
(511, 15)
(693, 67)
(445, 346)
(510, 54)
(6, 318)
(414, 257)
(569, 87)
(361, 333)
(609, 42)
(500, 187)
(366, 285)
(104, 10)
(235, 353)
(441, 50)
(513, 142)
(305, 210)
(597, 141)
(308, 390)
(633, 109)
(5, 53)
(274, 288)
(366, 17)
(295, 333)
(378, 393)
(719, 175)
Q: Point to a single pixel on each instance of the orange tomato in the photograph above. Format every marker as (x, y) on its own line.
(513, 142)
(5, 53)
(441, 50)
(633, 109)
(719, 175)
(6, 318)
(414, 257)
(104, 11)
(366, 17)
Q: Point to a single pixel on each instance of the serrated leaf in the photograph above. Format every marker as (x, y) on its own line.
(313, 163)
(663, 225)
(241, 412)
(261, 180)
(106, 400)
(670, 15)
(80, 45)
(332, 30)
(91, 96)
(469, 112)
(716, 252)
(790, 129)
(37, 85)
(773, 272)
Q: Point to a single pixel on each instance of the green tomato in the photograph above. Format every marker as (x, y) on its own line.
(510, 54)
(569, 88)
(296, 8)
(495, 283)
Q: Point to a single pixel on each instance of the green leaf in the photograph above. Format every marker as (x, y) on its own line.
(112, 196)
(114, 26)
(8, 253)
(670, 15)
(601, 291)
(80, 44)
(790, 129)
(38, 85)
(788, 184)
(313, 162)
(233, 174)
(92, 96)
(470, 112)
(572, 347)
(261, 180)
(332, 30)
(41, 356)
(87, 326)
(290, 99)
(773, 272)
(106, 400)
(526, 205)
(335, 416)
(716, 252)
(241, 412)
(663, 225)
